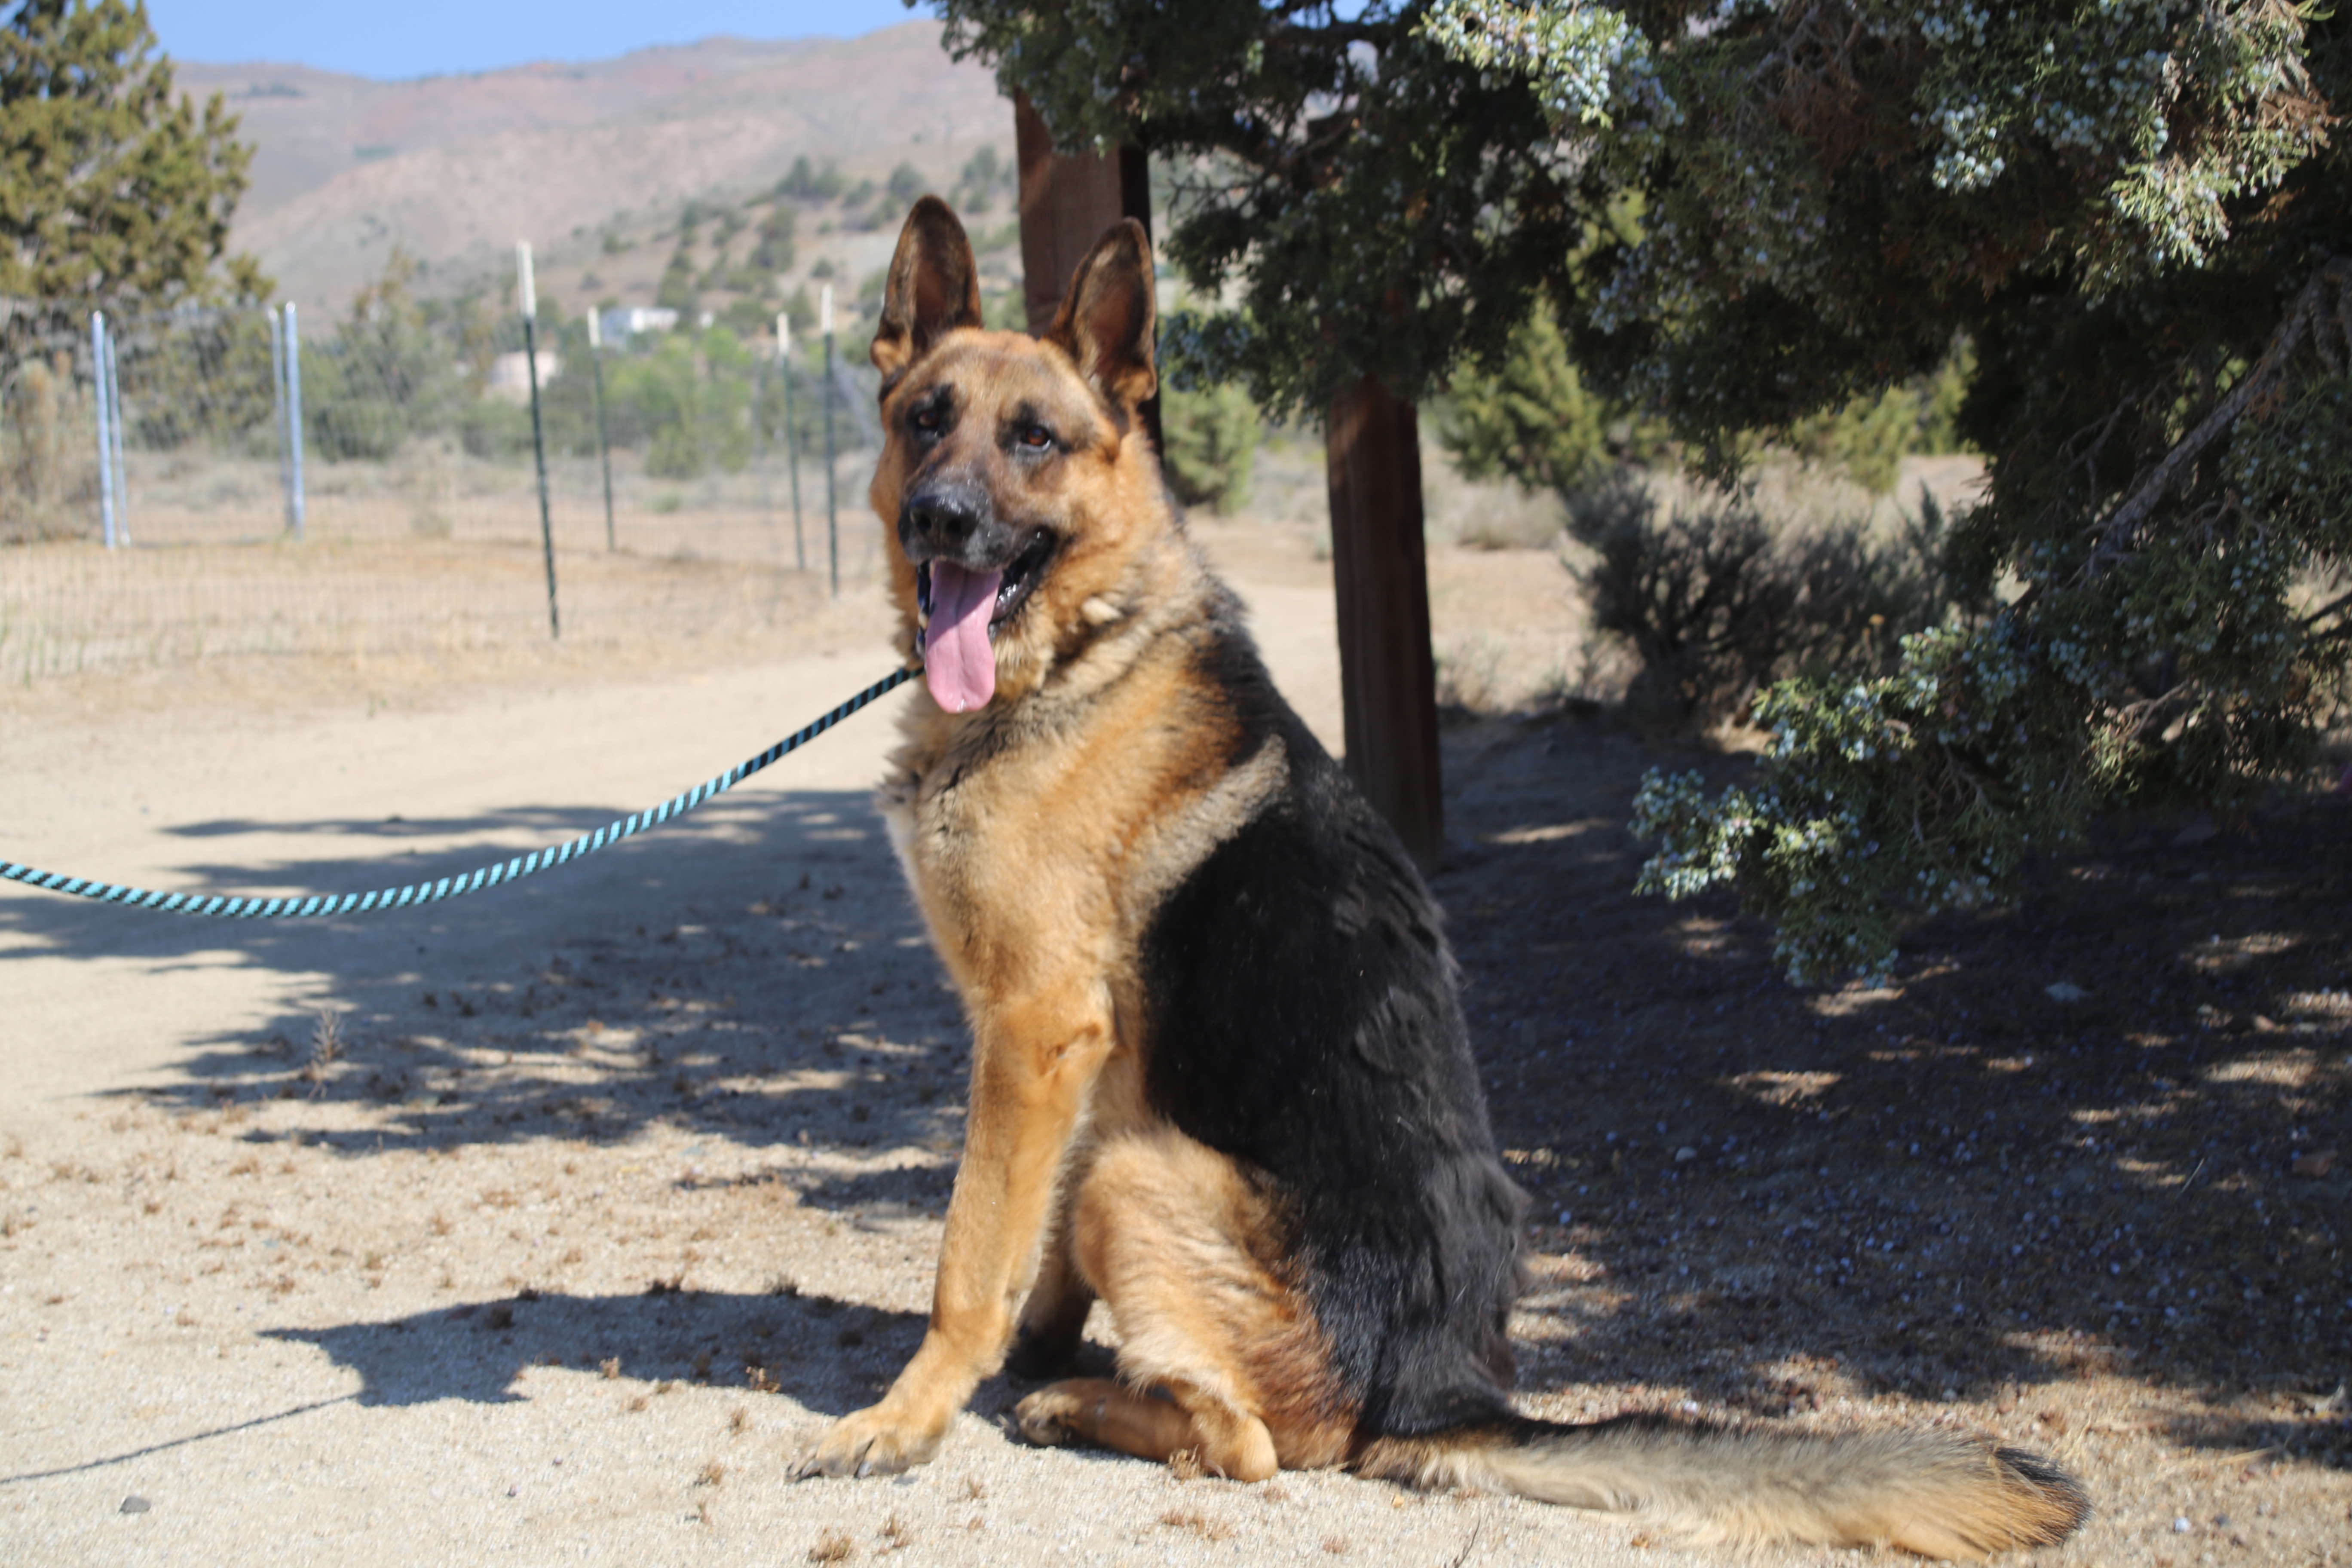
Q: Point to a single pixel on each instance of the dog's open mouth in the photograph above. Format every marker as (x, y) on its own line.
(961, 610)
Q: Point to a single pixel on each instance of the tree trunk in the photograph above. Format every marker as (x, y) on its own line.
(1388, 684)
(1067, 203)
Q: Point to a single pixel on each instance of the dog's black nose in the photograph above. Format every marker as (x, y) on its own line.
(952, 520)
(936, 518)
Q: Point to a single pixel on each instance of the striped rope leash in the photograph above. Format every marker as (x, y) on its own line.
(448, 887)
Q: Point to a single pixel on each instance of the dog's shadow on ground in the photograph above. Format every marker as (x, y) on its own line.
(832, 1357)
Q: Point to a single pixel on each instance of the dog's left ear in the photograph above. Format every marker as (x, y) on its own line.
(934, 288)
(1107, 319)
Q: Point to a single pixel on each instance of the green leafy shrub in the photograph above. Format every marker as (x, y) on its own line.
(499, 431)
(807, 182)
(1530, 418)
(1718, 600)
(776, 252)
(384, 376)
(686, 403)
(984, 176)
(1212, 438)
(1871, 433)
(200, 377)
(677, 290)
(906, 183)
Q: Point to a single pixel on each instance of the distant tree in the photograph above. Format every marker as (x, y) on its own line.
(906, 183)
(688, 401)
(1211, 438)
(807, 182)
(775, 252)
(985, 175)
(114, 193)
(802, 311)
(1530, 418)
(384, 375)
(1746, 215)
(676, 291)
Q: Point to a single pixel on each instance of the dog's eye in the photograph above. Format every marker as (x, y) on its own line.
(927, 420)
(1035, 437)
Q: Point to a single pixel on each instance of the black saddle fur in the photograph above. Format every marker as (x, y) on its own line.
(1306, 1020)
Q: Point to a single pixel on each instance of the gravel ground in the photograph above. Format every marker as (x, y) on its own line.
(553, 1224)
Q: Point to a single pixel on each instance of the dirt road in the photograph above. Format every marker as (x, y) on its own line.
(550, 1225)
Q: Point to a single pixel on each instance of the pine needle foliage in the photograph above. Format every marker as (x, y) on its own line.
(115, 194)
(1744, 217)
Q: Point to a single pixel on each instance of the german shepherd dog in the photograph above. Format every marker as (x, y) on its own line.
(1220, 1079)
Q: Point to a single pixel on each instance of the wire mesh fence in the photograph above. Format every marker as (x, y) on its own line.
(234, 480)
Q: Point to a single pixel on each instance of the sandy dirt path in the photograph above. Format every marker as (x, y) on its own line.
(551, 1225)
(543, 1226)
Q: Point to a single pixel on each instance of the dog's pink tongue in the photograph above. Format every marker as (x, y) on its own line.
(958, 664)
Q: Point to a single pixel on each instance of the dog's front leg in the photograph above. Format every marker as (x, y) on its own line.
(1033, 1062)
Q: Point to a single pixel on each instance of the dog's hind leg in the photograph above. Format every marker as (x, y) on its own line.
(1151, 1426)
(1227, 1357)
(1054, 1318)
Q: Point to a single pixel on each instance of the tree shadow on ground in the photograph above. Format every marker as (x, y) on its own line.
(1748, 1194)
(2085, 1134)
(758, 972)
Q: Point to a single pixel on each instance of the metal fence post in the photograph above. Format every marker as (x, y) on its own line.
(278, 412)
(603, 436)
(97, 400)
(791, 437)
(113, 369)
(832, 518)
(538, 436)
(294, 506)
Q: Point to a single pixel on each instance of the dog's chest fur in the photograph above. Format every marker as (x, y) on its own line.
(1040, 840)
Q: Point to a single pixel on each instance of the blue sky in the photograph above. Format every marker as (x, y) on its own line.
(426, 37)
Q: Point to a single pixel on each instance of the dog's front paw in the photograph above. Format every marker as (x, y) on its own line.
(873, 1442)
(1064, 1413)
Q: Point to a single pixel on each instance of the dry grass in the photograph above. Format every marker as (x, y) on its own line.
(1193, 1522)
(433, 554)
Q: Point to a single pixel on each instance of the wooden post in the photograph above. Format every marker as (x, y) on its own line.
(1066, 203)
(1388, 683)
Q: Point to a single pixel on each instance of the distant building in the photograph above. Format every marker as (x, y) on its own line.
(626, 321)
(509, 379)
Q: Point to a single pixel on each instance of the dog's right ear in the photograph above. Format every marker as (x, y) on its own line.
(934, 288)
(1107, 323)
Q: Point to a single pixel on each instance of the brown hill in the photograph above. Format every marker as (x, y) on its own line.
(456, 168)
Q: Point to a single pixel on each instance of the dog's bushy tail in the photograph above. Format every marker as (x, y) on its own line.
(1939, 1494)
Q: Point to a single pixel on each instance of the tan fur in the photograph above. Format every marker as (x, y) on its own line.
(1041, 835)
(1939, 1494)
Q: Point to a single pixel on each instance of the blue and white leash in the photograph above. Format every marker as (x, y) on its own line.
(447, 887)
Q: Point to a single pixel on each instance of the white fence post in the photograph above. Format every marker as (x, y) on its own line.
(278, 412)
(105, 445)
(294, 508)
(527, 295)
(113, 368)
